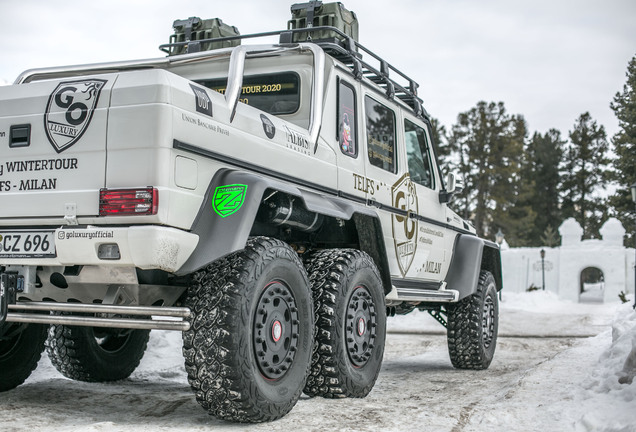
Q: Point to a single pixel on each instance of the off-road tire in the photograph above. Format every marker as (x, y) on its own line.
(95, 354)
(20, 353)
(248, 351)
(350, 323)
(472, 326)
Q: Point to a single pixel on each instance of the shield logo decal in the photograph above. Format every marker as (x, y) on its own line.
(69, 111)
(228, 199)
(404, 227)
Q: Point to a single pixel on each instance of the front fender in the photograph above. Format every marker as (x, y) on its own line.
(471, 255)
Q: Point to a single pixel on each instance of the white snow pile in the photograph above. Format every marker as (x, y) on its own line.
(612, 384)
(534, 301)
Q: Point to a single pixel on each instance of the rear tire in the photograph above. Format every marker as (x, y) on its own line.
(472, 326)
(20, 352)
(350, 321)
(95, 354)
(248, 351)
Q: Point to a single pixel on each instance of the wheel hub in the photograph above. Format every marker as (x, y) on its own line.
(488, 321)
(276, 330)
(360, 326)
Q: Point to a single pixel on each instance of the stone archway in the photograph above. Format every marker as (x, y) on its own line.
(591, 285)
(522, 266)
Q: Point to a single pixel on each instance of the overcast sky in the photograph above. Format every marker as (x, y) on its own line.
(549, 60)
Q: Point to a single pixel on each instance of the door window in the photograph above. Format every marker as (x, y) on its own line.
(418, 155)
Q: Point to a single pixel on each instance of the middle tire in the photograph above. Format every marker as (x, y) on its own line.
(248, 350)
(350, 321)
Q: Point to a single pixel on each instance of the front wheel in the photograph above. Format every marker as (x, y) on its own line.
(472, 326)
(248, 350)
(350, 321)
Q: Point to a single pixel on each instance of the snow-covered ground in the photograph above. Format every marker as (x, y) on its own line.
(559, 366)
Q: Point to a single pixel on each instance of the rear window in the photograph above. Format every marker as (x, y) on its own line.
(273, 93)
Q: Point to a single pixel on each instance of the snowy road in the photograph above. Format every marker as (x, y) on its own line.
(540, 380)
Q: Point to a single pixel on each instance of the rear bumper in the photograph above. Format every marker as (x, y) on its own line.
(146, 247)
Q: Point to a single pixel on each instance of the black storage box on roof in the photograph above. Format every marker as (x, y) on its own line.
(320, 15)
(194, 29)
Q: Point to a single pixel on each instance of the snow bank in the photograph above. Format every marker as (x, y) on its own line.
(536, 301)
(611, 384)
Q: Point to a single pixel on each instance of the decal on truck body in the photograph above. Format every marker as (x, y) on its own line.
(228, 199)
(69, 111)
(268, 127)
(405, 226)
(203, 101)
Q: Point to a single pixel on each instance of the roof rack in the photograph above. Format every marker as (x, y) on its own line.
(350, 53)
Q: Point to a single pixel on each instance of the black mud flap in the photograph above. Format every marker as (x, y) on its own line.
(9, 284)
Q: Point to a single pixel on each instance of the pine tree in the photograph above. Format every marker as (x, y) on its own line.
(456, 144)
(512, 187)
(585, 174)
(545, 153)
(442, 149)
(624, 107)
(489, 144)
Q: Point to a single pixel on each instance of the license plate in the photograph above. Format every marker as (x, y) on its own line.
(27, 244)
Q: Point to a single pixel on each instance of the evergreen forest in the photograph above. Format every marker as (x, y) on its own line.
(526, 184)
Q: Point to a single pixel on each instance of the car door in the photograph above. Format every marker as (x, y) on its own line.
(431, 259)
(388, 178)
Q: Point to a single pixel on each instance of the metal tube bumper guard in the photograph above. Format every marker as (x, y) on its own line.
(110, 316)
(145, 247)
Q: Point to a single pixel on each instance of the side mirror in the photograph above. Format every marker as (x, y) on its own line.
(454, 185)
(459, 183)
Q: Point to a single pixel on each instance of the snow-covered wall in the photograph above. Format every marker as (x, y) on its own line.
(563, 265)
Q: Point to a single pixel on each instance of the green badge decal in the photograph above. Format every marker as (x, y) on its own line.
(228, 199)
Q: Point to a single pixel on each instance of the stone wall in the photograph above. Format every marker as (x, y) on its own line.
(563, 265)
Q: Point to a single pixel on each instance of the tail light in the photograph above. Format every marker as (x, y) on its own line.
(128, 202)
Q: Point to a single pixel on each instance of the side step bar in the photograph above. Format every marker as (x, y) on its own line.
(415, 290)
(156, 317)
(416, 294)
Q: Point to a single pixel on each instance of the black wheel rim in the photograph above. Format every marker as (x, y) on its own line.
(111, 341)
(8, 342)
(360, 326)
(276, 330)
(488, 321)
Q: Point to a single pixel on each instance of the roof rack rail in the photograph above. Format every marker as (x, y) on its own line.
(350, 53)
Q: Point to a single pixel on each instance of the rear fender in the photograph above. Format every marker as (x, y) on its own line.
(225, 228)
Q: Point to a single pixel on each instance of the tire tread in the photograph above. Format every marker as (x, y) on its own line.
(327, 270)
(464, 330)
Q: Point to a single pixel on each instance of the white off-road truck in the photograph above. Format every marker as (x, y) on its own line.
(273, 202)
